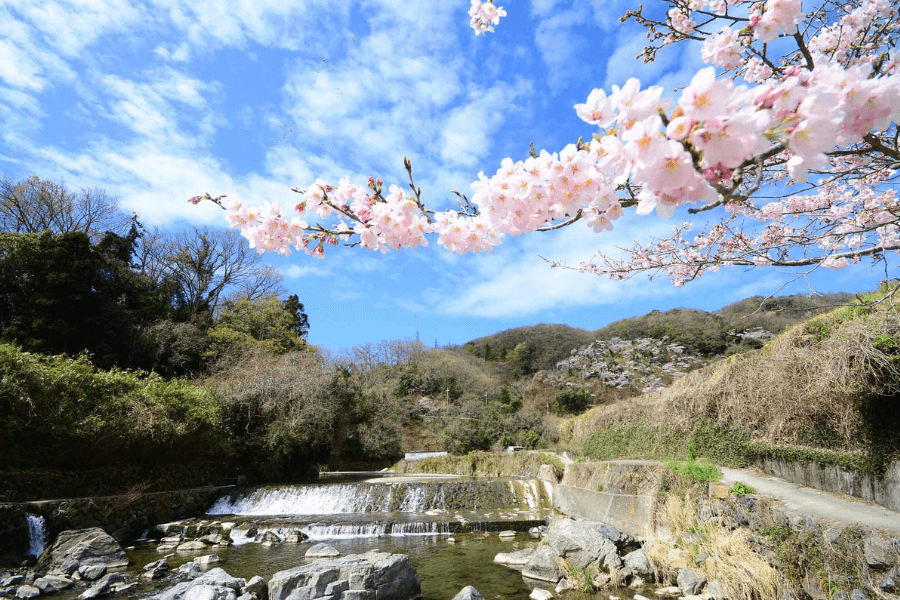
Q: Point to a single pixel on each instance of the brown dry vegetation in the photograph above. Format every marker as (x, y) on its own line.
(743, 573)
(830, 383)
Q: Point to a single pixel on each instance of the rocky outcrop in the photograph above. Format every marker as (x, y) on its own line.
(371, 576)
(582, 546)
(73, 550)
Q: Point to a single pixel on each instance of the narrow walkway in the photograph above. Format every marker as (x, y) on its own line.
(809, 501)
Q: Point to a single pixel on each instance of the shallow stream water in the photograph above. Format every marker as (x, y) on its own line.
(444, 568)
(412, 515)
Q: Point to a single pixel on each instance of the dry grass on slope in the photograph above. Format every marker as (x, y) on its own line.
(831, 382)
(741, 571)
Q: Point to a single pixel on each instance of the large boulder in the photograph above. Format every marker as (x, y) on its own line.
(583, 543)
(543, 565)
(370, 576)
(81, 548)
(215, 584)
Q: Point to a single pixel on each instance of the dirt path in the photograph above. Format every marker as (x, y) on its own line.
(809, 501)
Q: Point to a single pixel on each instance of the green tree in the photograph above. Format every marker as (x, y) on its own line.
(572, 400)
(59, 294)
(266, 323)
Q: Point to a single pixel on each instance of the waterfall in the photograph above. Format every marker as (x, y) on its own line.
(306, 500)
(407, 497)
(432, 528)
(36, 535)
(345, 530)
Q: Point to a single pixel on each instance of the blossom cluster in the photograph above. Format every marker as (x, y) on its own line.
(484, 15)
(713, 146)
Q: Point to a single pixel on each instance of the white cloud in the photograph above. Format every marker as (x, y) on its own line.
(562, 48)
(515, 281)
(17, 69)
(305, 270)
(69, 26)
(468, 128)
(179, 53)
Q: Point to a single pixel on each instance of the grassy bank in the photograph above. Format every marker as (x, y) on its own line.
(491, 464)
(66, 413)
(825, 391)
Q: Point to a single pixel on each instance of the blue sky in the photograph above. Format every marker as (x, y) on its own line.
(157, 101)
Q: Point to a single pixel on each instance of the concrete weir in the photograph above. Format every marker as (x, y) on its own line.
(622, 493)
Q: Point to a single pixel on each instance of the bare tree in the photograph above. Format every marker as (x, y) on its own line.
(206, 266)
(35, 205)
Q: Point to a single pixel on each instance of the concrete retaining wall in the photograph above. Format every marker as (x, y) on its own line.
(620, 493)
(884, 491)
(123, 517)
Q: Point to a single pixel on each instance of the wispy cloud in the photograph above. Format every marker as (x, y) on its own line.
(302, 271)
(517, 282)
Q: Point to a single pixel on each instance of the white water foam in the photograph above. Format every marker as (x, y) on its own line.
(339, 531)
(37, 535)
(409, 529)
(305, 500)
(328, 499)
(530, 494)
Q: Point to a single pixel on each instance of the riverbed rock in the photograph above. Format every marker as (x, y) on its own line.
(27, 591)
(206, 559)
(209, 592)
(540, 594)
(102, 586)
(690, 582)
(191, 546)
(213, 585)
(517, 558)
(49, 584)
(543, 565)
(258, 587)
(74, 549)
(162, 563)
(370, 576)
(322, 551)
(190, 570)
(637, 565)
(468, 593)
(92, 572)
(581, 543)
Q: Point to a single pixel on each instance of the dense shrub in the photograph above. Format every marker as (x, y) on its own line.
(572, 400)
(64, 411)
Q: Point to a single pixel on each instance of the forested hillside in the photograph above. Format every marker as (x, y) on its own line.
(725, 331)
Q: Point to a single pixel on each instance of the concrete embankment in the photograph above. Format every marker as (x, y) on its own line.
(625, 493)
(884, 490)
(622, 493)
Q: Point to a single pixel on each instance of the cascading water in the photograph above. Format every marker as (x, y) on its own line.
(306, 500)
(382, 508)
(37, 535)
